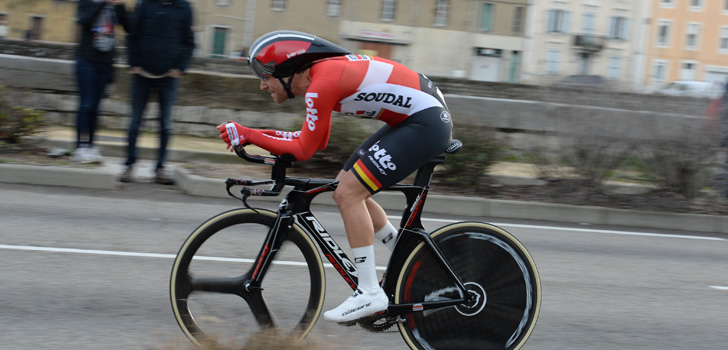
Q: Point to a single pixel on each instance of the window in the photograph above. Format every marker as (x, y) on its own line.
(692, 36)
(659, 71)
(219, 38)
(441, 12)
(223, 2)
(36, 28)
(486, 17)
(618, 27)
(667, 3)
(557, 21)
(333, 8)
(589, 22)
(3, 25)
(279, 5)
(552, 63)
(663, 33)
(518, 20)
(723, 45)
(388, 8)
(725, 6)
(696, 5)
(688, 70)
(614, 67)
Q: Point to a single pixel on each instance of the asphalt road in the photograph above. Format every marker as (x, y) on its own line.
(89, 269)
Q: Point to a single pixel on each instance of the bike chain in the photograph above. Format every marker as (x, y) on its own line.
(378, 324)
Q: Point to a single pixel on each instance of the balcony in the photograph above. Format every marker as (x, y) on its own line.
(588, 43)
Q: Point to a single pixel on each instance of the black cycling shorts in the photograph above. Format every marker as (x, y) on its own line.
(393, 153)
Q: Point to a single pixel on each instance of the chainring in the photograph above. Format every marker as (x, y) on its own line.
(377, 323)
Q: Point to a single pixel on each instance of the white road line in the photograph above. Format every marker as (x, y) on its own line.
(147, 255)
(719, 287)
(556, 228)
(292, 263)
(86, 251)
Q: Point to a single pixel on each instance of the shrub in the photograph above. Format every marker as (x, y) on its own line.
(681, 163)
(16, 121)
(586, 155)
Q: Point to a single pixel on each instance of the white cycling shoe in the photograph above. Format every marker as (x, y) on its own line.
(358, 305)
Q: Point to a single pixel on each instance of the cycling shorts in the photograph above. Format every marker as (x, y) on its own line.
(393, 153)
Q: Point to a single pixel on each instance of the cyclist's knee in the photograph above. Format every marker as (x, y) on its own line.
(350, 190)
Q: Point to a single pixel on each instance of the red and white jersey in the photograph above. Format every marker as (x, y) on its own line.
(356, 85)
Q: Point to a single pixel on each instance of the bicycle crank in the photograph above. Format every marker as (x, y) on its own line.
(377, 323)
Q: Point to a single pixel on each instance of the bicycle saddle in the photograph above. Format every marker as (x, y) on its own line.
(454, 147)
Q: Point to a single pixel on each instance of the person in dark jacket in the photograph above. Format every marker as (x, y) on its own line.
(94, 67)
(160, 46)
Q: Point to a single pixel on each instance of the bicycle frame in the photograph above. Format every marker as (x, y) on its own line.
(295, 208)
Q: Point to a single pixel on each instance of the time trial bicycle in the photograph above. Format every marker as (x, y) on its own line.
(466, 285)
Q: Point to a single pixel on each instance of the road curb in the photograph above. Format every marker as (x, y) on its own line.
(488, 209)
(58, 176)
(482, 208)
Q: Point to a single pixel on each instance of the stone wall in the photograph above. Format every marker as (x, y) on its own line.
(451, 86)
(219, 90)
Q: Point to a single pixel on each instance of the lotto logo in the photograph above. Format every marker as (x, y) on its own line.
(311, 113)
(384, 159)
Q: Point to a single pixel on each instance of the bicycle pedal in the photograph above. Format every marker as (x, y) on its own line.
(347, 324)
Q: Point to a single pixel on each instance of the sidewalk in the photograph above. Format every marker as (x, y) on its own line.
(186, 148)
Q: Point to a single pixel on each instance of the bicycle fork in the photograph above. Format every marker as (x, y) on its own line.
(267, 253)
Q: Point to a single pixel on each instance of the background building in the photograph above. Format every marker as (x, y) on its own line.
(473, 39)
(634, 45)
(688, 40)
(479, 40)
(587, 37)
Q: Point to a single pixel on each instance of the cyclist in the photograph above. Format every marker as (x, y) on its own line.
(330, 78)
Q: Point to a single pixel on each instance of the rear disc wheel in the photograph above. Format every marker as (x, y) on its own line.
(497, 272)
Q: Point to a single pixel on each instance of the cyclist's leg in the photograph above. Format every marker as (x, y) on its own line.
(369, 298)
(360, 215)
(400, 151)
(384, 230)
(393, 155)
(379, 216)
(384, 159)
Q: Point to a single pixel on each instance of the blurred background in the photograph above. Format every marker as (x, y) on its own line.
(551, 82)
(626, 45)
(598, 103)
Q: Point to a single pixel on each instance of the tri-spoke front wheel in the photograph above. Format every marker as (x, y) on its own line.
(210, 292)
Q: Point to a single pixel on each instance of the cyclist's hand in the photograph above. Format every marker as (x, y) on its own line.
(233, 134)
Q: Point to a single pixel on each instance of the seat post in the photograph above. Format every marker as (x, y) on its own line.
(424, 173)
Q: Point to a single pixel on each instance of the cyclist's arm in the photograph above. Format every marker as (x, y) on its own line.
(313, 136)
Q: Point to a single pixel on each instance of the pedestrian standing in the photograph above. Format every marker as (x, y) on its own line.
(160, 47)
(94, 68)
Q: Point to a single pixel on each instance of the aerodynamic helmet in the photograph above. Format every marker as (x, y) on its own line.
(281, 53)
